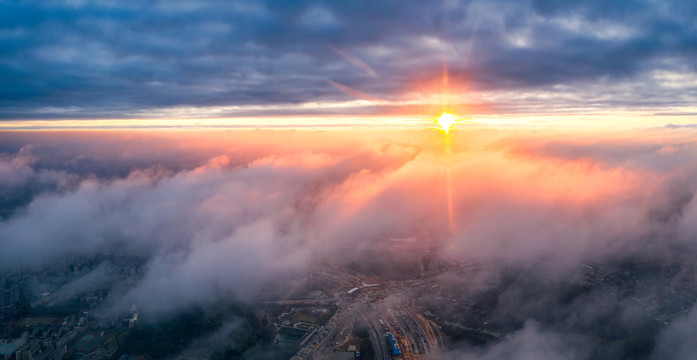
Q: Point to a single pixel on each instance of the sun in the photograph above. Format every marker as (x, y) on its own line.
(446, 121)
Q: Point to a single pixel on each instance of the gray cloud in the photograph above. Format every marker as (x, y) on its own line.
(675, 341)
(530, 343)
(129, 59)
(215, 222)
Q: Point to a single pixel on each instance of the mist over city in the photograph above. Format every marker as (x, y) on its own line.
(334, 180)
(577, 247)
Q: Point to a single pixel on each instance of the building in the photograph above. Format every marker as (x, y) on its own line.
(9, 295)
(8, 351)
(354, 350)
(28, 288)
(59, 353)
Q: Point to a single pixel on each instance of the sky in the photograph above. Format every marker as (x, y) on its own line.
(328, 63)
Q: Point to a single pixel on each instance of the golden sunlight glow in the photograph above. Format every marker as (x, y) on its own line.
(446, 121)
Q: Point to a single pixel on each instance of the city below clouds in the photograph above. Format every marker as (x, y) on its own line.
(222, 216)
(292, 179)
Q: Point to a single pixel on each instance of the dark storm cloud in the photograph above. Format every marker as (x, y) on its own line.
(108, 59)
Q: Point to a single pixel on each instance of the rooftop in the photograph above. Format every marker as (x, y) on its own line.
(8, 349)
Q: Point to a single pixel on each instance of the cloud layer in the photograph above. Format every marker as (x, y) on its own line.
(222, 216)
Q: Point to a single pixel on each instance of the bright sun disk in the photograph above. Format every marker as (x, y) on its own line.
(446, 121)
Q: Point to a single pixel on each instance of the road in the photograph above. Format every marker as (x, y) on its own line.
(380, 306)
